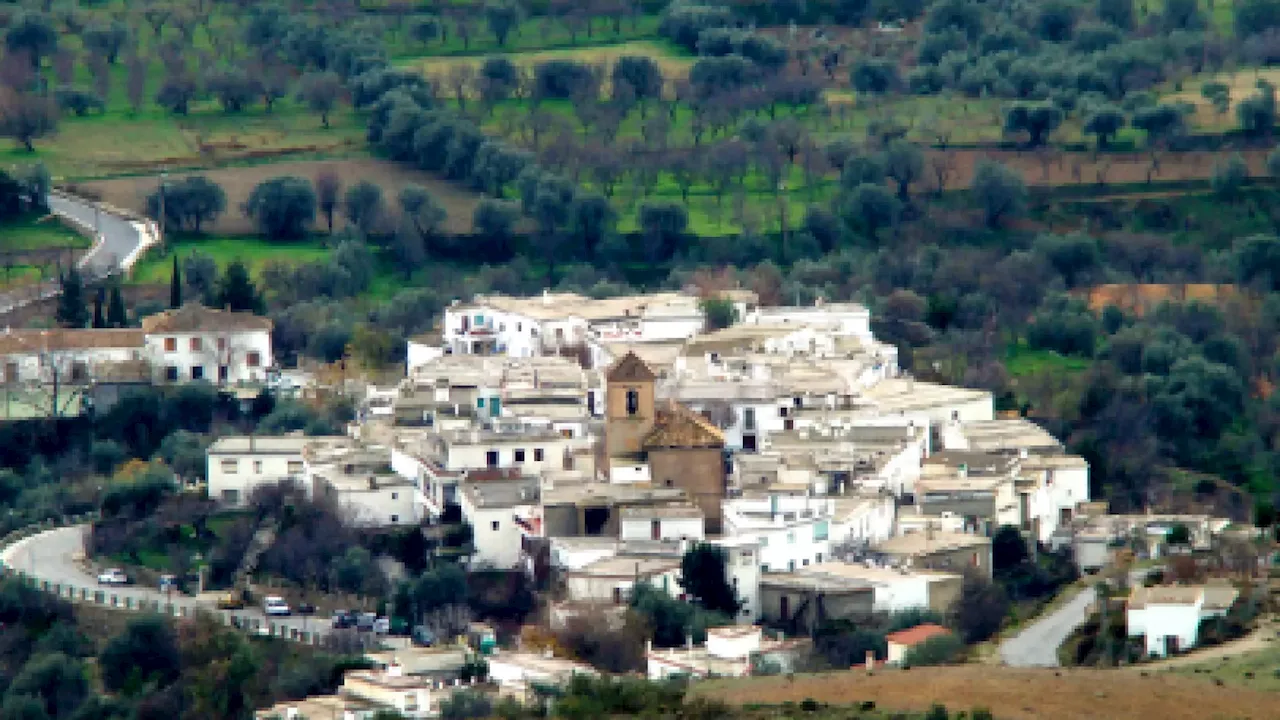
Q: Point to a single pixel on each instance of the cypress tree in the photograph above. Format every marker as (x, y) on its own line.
(175, 285)
(71, 312)
(116, 315)
(99, 299)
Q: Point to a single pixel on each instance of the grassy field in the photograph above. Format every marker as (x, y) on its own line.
(1011, 693)
(1022, 361)
(156, 268)
(39, 234)
(1242, 83)
(1257, 670)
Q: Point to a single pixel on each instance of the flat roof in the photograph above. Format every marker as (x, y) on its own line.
(265, 444)
(662, 511)
(502, 493)
(1007, 433)
(878, 575)
(597, 492)
(920, 543)
(540, 663)
(903, 395)
(563, 306)
(628, 566)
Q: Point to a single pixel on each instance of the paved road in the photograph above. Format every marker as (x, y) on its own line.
(121, 239)
(1037, 645)
(52, 556)
(120, 236)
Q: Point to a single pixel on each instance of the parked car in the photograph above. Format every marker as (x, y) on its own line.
(343, 619)
(365, 621)
(113, 576)
(275, 605)
(382, 626)
(306, 608)
(422, 637)
(168, 583)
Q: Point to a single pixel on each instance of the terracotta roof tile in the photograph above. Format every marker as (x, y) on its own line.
(197, 318)
(679, 427)
(916, 635)
(630, 369)
(17, 342)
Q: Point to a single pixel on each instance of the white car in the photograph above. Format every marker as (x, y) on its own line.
(381, 626)
(275, 605)
(113, 576)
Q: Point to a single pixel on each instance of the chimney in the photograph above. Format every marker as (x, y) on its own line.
(871, 660)
(546, 296)
(688, 642)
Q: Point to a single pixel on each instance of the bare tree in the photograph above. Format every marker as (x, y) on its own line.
(460, 77)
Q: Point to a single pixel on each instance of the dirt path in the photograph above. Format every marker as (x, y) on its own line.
(1256, 640)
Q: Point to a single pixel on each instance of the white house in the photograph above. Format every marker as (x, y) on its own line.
(863, 519)
(66, 355)
(848, 319)
(896, 589)
(742, 566)
(409, 696)
(1169, 617)
(732, 651)
(530, 450)
(236, 465)
(493, 508)
(1056, 486)
(516, 673)
(526, 327)
(662, 522)
(199, 343)
(377, 500)
(611, 580)
(792, 531)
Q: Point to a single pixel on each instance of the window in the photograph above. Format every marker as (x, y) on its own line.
(257, 467)
(295, 467)
(395, 496)
(519, 454)
(805, 562)
(494, 525)
(782, 412)
(222, 344)
(764, 541)
(820, 530)
(197, 372)
(230, 467)
(633, 402)
(171, 373)
(791, 538)
(253, 359)
(818, 558)
(491, 458)
(480, 403)
(764, 567)
(749, 443)
(749, 418)
(519, 327)
(791, 565)
(171, 344)
(223, 373)
(746, 559)
(395, 518)
(231, 496)
(196, 345)
(538, 454)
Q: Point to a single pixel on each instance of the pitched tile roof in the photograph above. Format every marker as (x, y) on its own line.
(193, 317)
(19, 342)
(630, 369)
(916, 635)
(679, 427)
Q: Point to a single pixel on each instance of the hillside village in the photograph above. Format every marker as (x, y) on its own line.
(591, 445)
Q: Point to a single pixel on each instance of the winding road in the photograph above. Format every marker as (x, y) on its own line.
(1037, 645)
(118, 239)
(53, 557)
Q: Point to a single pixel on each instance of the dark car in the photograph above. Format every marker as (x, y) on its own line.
(365, 621)
(422, 637)
(343, 619)
(306, 608)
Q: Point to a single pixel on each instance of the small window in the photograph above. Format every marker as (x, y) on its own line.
(295, 467)
(257, 467)
(395, 496)
(633, 402)
(519, 454)
(818, 558)
(224, 373)
(171, 373)
(230, 467)
(480, 403)
(222, 344)
(197, 372)
(171, 344)
(805, 562)
(494, 526)
(791, 538)
(231, 496)
(395, 518)
(782, 412)
(253, 359)
(791, 565)
(196, 344)
(491, 458)
(764, 567)
(538, 454)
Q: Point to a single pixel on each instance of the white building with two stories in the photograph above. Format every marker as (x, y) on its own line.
(198, 343)
(791, 531)
(236, 466)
